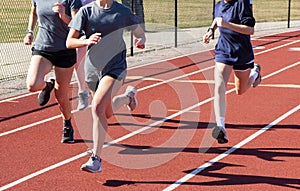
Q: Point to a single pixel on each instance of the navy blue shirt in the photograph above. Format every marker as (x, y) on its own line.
(234, 48)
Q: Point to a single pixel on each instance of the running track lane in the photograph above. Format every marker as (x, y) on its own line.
(271, 99)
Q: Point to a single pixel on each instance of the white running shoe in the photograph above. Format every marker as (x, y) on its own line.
(131, 93)
(94, 164)
(83, 100)
(257, 81)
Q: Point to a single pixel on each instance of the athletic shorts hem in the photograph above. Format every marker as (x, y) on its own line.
(241, 67)
(62, 59)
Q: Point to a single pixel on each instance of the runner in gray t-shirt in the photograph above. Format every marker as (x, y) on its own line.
(49, 51)
(103, 22)
(111, 51)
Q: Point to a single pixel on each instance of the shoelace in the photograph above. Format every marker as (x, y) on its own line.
(131, 96)
(90, 152)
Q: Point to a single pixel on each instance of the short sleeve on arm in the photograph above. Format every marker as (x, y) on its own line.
(71, 5)
(246, 15)
(78, 22)
(132, 21)
(75, 5)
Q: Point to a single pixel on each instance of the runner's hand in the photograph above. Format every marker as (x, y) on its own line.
(60, 9)
(28, 39)
(139, 43)
(93, 39)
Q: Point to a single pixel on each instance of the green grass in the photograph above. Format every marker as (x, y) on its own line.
(276, 10)
(197, 13)
(159, 14)
(14, 20)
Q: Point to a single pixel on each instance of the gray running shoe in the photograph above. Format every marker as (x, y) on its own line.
(131, 93)
(68, 132)
(83, 101)
(219, 133)
(44, 95)
(94, 164)
(258, 78)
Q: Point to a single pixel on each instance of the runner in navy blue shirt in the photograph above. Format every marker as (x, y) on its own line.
(233, 51)
(103, 22)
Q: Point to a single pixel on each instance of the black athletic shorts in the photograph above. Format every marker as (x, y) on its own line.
(244, 66)
(63, 59)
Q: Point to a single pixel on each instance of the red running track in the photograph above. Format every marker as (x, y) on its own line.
(165, 144)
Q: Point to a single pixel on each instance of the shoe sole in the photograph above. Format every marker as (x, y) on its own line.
(67, 141)
(46, 97)
(45, 94)
(218, 134)
(90, 170)
(80, 108)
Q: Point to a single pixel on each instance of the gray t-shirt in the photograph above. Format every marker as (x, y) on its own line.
(53, 31)
(92, 19)
(110, 23)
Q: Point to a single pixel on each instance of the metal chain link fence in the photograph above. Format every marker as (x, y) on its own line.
(14, 56)
(159, 16)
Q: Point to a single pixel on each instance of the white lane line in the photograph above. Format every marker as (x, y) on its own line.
(30, 125)
(180, 81)
(12, 184)
(281, 70)
(277, 47)
(176, 78)
(294, 49)
(272, 40)
(258, 47)
(33, 124)
(231, 150)
(30, 176)
(176, 110)
(293, 86)
(166, 60)
(13, 99)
